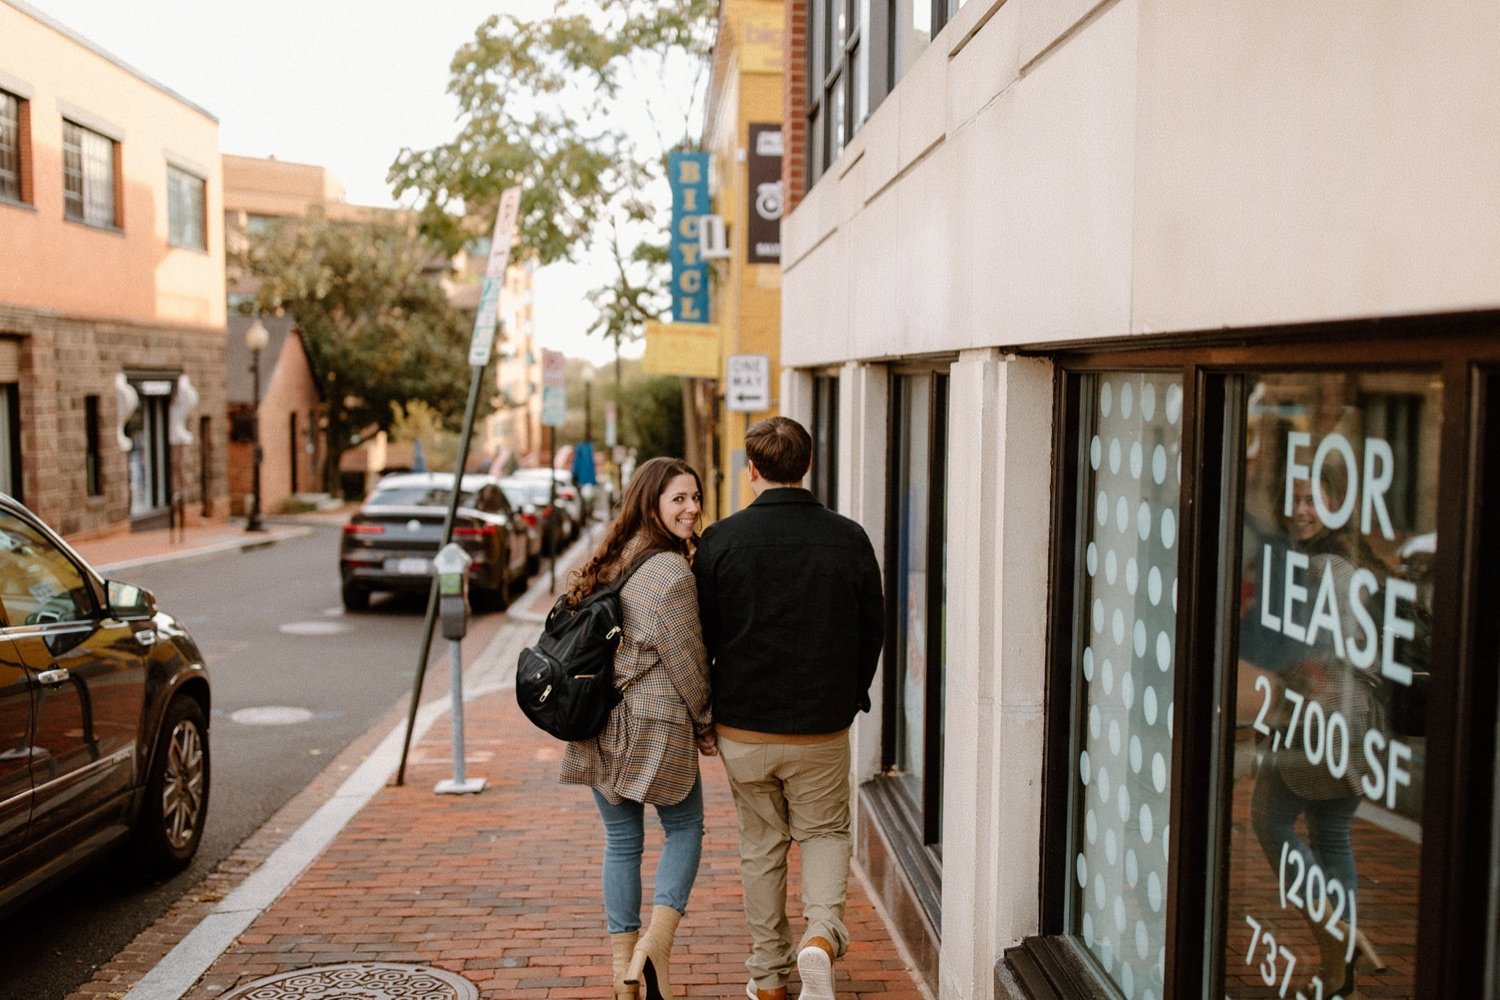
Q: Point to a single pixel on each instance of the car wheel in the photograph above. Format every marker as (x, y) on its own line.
(170, 823)
(355, 598)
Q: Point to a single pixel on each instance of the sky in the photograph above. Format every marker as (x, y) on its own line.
(343, 84)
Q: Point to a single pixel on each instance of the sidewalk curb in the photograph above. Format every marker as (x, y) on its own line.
(182, 967)
(247, 544)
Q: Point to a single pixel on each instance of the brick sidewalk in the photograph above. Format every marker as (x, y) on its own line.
(501, 888)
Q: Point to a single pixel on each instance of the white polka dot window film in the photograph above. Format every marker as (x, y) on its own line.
(1125, 667)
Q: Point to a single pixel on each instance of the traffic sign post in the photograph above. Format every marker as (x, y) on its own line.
(481, 346)
(748, 386)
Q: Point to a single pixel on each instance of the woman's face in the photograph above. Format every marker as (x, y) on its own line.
(679, 505)
(1305, 524)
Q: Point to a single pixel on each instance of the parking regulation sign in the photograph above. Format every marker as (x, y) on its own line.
(749, 387)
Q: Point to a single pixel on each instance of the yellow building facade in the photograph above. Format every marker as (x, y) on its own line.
(742, 134)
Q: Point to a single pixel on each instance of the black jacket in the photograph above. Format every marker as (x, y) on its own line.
(793, 616)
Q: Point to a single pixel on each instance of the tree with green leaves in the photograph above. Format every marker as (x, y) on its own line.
(579, 110)
(377, 327)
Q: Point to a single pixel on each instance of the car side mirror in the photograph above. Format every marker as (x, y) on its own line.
(127, 601)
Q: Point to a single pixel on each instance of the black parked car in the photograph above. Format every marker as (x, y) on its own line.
(390, 543)
(104, 705)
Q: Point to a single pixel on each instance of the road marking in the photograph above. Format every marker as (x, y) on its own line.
(270, 715)
(313, 628)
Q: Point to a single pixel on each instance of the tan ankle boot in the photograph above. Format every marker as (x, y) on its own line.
(623, 946)
(651, 965)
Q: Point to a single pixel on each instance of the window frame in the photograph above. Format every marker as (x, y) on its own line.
(20, 143)
(825, 435)
(82, 199)
(1459, 825)
(199, 186)
(832, 71)
(916, 827)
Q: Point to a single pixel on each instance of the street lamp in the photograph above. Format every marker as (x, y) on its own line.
(256, 338)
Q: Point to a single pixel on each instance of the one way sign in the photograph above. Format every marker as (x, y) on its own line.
(749, 389)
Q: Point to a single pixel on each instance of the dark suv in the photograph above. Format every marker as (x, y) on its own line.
(104, 706)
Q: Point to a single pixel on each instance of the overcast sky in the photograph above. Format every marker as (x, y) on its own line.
(343, 84)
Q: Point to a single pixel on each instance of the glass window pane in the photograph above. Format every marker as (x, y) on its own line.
(1338, 537)
(10, 146)
(1124, 664)
(38, 584)
(185, 209)
(72, 171)
(913, 475)
(98, 179)
(837, 123)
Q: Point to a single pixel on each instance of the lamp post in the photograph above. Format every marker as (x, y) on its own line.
(256, 338)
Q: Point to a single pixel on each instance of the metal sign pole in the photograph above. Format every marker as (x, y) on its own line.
(481, 346)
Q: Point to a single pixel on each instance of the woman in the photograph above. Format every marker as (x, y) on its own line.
(646, 752)
(1291, 783)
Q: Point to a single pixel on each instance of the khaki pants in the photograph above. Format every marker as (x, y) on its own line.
(786, 792)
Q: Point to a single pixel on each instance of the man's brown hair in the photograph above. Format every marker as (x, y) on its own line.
(781, 449)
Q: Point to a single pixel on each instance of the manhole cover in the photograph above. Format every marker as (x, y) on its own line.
(314, 628)
(364, 981)
(270, 715)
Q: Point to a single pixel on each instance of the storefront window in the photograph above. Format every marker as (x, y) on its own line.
(825, 435)
(1124, 669)
(1330, 681)
(917, 594)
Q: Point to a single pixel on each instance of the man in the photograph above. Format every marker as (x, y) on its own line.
(792, 618)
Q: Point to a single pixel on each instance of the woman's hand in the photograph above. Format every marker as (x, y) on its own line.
(708, 744)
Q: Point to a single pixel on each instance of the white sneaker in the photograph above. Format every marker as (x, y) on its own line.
(750, 989)
(817, 973)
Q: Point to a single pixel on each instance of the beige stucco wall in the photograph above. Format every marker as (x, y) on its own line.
(1057, 171)
(132, 274)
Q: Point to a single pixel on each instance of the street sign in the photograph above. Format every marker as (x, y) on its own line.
(487, 317)
(554, 390)
(749, 388)
(485, 320)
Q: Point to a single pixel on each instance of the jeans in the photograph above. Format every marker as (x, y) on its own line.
(1274, 812)
(624, 842)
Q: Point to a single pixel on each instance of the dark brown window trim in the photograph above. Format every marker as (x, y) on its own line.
(1454, 949)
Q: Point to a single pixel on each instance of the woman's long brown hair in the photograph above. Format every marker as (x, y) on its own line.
(639, 515)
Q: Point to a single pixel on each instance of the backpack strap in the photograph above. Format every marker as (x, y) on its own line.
(618, 583)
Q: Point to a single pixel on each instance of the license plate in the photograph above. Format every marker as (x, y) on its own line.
(409, 567)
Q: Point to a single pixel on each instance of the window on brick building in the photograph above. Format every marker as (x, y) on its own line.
(839, 75)
(15, 181)
(186, 219)
(90, 177)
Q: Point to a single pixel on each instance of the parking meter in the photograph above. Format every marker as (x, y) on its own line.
(452, 565)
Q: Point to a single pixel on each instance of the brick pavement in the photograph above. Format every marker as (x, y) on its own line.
(501, 888)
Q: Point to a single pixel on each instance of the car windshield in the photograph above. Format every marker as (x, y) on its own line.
(416, 496)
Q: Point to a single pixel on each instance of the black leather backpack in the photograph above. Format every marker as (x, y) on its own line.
(565, 681)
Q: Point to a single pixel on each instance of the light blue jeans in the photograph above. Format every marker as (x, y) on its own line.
(624, 842)
(1273, 813)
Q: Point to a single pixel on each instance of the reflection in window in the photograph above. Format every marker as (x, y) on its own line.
(825, 435)
(918, 595)
(1330, 684)
(1124, 666)
(39, 585)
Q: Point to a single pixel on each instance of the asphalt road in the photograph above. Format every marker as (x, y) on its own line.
(274, 637)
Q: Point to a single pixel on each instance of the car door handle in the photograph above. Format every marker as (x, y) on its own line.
(52, 676)
(146, 637)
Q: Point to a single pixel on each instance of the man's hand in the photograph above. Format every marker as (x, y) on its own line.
(708, 745)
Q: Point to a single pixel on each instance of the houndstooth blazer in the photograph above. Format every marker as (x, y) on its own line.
(646, 752)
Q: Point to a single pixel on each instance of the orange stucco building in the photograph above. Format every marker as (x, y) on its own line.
(112, 306)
